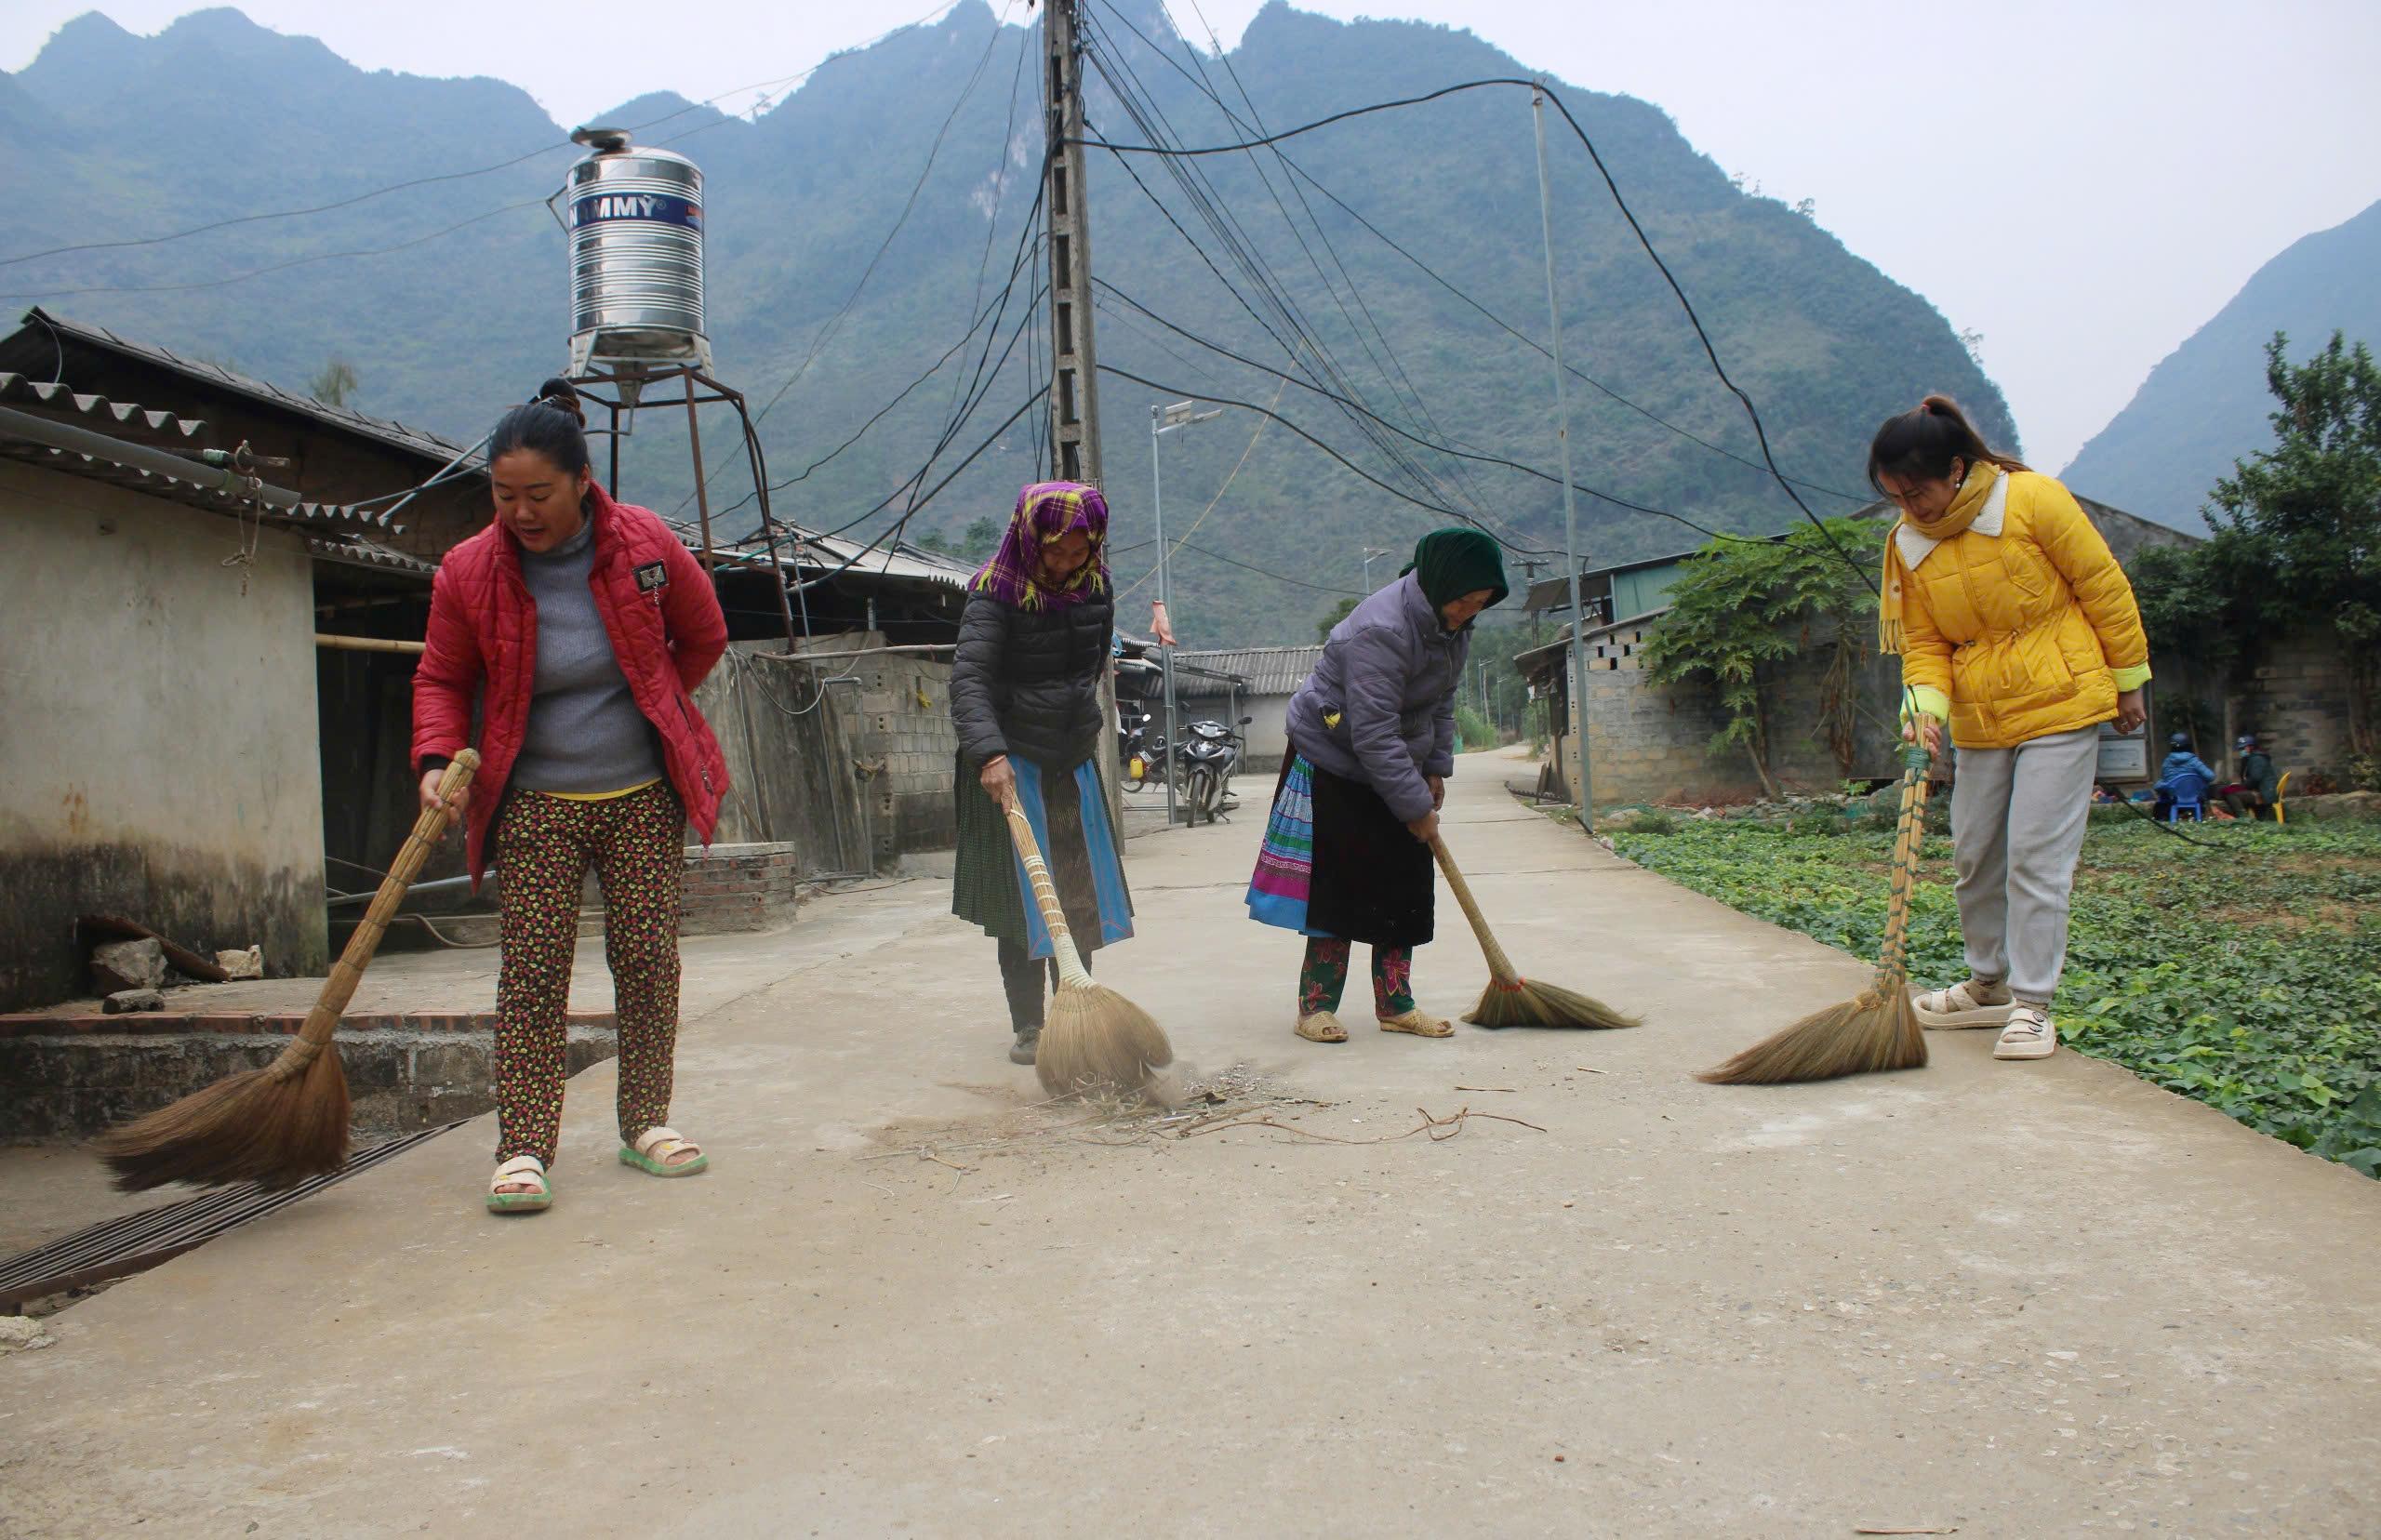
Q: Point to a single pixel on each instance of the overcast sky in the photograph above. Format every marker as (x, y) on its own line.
(2082, 181)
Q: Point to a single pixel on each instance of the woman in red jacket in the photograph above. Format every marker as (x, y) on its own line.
(580, 626)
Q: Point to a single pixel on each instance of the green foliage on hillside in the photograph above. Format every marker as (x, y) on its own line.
(465, 310)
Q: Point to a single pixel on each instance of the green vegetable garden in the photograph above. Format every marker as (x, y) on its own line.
(2247, 975)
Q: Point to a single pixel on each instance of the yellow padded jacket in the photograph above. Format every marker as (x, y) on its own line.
(2020, 626)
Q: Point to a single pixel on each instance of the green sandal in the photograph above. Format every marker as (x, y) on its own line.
(651, 1154)
(517, 1172)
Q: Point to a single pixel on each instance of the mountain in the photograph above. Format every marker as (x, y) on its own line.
(456, 306)
(2206, 405)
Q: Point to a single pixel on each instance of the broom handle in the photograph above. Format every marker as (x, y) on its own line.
(1498, 963)
(1892, 963)
(348, 972)
(1071, 972)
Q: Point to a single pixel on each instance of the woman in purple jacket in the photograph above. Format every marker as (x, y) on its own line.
(1347, 853)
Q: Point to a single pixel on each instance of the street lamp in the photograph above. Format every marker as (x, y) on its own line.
(1369, 554)
(1166, 419)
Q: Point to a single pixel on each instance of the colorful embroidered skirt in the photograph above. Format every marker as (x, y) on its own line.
(1337, 862)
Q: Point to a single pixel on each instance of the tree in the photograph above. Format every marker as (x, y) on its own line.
(981, 540)
(1741, 609)
(2298, 526)
(1338, 613)
(335, 383)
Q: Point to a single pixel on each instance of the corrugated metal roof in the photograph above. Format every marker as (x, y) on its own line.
(191, 494)
(414, 440)
(900, 561)
(1270, 671)
(112, 417)
(355, 550)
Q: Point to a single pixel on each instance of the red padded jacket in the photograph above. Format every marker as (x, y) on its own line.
(667, 632)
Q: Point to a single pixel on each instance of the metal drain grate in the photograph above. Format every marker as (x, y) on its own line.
(117, 1248)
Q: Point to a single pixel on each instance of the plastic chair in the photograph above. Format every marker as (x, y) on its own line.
(2191, 794)
(2279, 787)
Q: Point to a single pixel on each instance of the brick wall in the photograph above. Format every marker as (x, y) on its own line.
(2297, 701)
(737, 887)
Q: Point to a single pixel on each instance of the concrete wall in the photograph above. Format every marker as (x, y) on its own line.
(159, 757)
(1267, 735)
(903, 727)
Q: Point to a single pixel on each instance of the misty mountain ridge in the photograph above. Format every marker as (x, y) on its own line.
(2205, 404)
(471, 312)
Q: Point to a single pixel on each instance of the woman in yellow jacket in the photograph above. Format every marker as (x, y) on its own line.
(2016, 626)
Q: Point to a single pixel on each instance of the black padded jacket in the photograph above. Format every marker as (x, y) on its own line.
(1026, 681)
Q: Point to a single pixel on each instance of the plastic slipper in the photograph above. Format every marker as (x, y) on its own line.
(651, 1154)
(513, 1172)
(1419, 1025)
(1322, 1026)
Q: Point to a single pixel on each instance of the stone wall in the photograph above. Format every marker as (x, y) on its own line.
(160, 757)
(69, 1076)
(2297, 701)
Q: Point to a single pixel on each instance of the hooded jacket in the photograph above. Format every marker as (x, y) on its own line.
(1380, 707)
(2020, 626)
(667, 632)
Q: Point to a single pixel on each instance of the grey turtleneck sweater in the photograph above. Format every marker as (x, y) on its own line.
(585, 731)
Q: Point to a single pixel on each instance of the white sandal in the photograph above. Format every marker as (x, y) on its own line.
(519, 1170)
(651, 1154)
(2029, 1035)
(1960, 1007)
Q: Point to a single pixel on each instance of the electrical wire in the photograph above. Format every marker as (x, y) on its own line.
(1267, 572)
(1257, 433)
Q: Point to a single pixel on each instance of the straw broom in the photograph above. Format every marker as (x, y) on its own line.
(1094, 1040)
(1510, 1000)
(288, 1120)
(1878, 1030)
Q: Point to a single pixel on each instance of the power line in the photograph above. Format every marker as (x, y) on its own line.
(1443, 448)
(1268, 572)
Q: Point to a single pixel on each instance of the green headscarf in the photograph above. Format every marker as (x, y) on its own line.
(1455, 562)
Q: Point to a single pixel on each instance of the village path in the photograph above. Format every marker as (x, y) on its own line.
(2018, 1301)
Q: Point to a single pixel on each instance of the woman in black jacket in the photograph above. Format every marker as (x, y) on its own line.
(1025, 696)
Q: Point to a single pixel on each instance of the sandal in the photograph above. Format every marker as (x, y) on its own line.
(652, 1150)
(1962, 1005)
(1322, 1026)
(519, 1170)
(2029, 1035)
(1414, 1021)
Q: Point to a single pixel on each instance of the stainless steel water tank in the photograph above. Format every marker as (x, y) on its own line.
(635, 221)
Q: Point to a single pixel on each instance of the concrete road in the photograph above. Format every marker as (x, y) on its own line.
(2012, 1300)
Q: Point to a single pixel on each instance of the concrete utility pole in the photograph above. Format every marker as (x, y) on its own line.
(1577, 694)
(1074, 365)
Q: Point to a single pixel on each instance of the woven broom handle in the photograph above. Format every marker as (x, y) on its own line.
(1071, 973)
(1498, 963)
(348, 972)
(1893, 963)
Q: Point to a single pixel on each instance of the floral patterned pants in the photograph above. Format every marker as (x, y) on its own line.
(544, 846)
(1325, 977)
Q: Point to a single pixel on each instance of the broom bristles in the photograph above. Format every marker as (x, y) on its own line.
(1524, 1004)
(1096, 1040)
(275, 1129)
(1878, 1030)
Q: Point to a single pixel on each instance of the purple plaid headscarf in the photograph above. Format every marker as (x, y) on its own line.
(1046, 512)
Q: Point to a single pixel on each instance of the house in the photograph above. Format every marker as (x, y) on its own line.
(1651, 743)
(218, 592)
(175, 535)
(1229, 684)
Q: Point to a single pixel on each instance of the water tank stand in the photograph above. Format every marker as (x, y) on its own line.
(630, 389)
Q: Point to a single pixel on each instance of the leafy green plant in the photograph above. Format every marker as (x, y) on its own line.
(2246, 975)
(1742, 609)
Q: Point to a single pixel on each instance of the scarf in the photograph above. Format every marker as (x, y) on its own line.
(1966, 503)
(1452, 563)
(1046, 512)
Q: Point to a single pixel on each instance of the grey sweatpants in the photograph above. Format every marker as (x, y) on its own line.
(2018, 819)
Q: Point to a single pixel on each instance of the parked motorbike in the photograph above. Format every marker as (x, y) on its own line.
(1139, 750)
(1209, 754)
